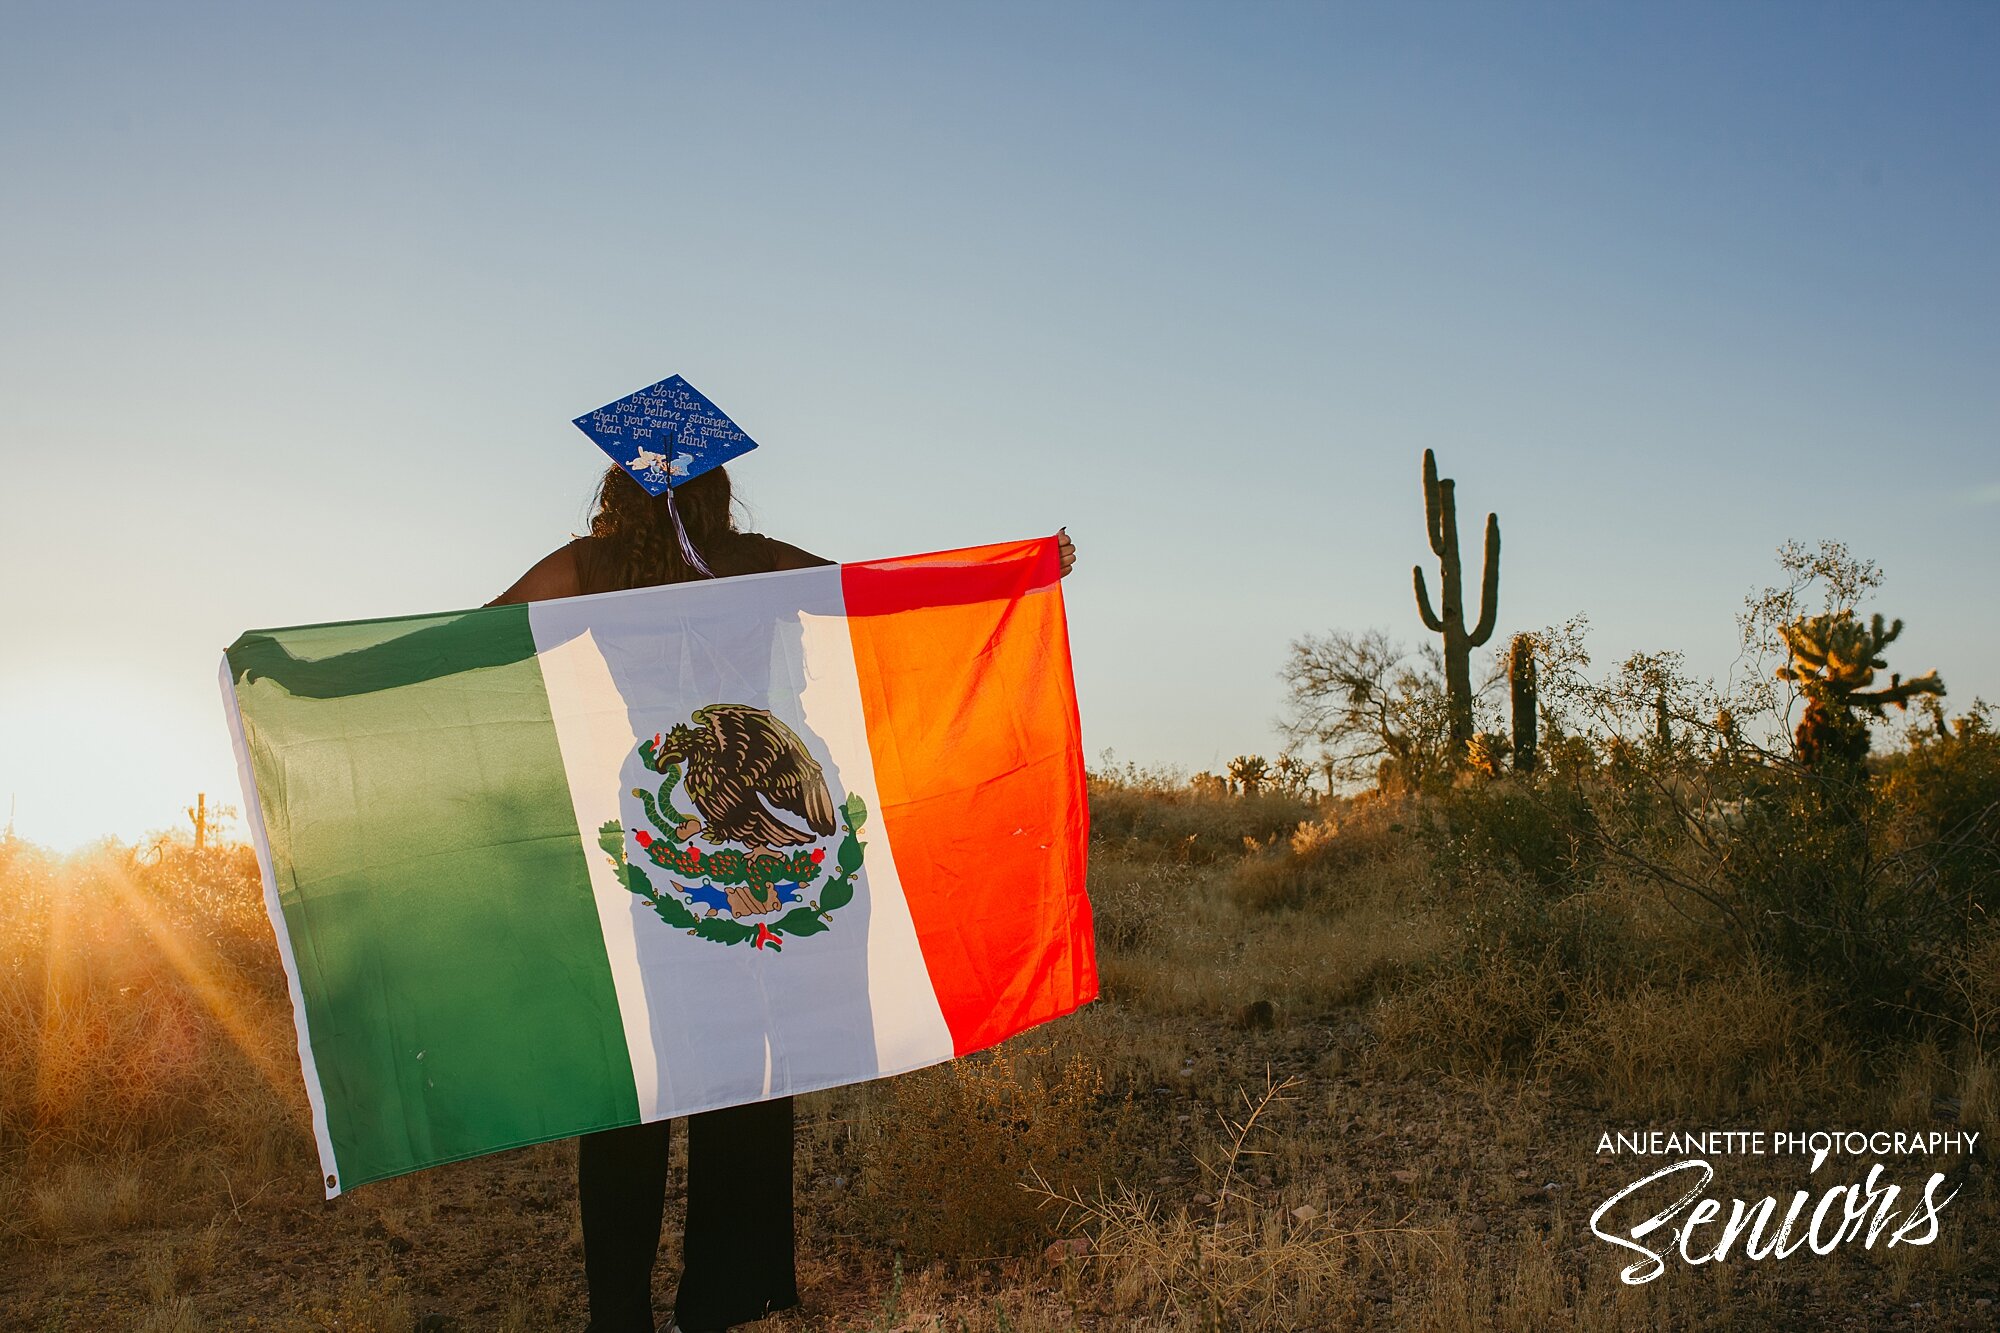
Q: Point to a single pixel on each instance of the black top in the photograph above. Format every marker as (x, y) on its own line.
(728, 555)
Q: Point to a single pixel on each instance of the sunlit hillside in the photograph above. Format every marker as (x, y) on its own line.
(1351, 1060)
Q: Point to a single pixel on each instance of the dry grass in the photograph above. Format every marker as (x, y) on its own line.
(365, 1303)
(1151, 817)
(81, 1197)
(1716, 1047)
(971, 1132)
(1303, 932)
(1327, 1088)
(1234, 1261)
(141, 1002)
(1347, 853)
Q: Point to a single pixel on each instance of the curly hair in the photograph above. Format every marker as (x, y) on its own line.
(636, 546)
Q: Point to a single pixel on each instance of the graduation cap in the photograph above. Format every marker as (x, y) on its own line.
(665, 434)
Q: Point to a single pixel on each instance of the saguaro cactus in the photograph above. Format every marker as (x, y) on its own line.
(198, 813)
(1521, 677)
(1441, 518)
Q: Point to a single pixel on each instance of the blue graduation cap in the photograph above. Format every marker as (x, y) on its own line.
(665, 434)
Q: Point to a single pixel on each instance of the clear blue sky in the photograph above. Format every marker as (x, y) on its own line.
(298, 302)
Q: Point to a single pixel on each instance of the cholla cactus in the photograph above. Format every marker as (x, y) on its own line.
(1486, 753)
(1208, 784)
(1834, 660)
(1248, 771)
(1728, 736)
(1292, 775)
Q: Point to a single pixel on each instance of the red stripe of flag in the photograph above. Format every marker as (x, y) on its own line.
(963, 659)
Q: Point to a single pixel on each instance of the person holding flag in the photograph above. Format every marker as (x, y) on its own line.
(686, 821)
(738, 1251)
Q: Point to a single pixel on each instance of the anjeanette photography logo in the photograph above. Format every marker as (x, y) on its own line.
(1857, 1187)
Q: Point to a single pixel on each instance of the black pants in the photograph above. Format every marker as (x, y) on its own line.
(736, 1262)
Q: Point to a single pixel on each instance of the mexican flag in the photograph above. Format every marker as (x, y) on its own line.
(544, 869)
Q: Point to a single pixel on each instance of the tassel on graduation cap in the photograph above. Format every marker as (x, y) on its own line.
(664, 436)
(688, 553)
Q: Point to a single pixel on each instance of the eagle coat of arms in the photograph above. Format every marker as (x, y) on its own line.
(744, 864)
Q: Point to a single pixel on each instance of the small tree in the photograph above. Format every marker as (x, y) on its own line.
(1825, 578)
(1370, 707)
(1798, 858)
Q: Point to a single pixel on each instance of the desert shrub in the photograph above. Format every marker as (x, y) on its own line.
(1187, 826)
(1131, 900)
(1752, 1037)
(1269, 1272)
(1876, 886)
(1480, 1014)
(1245, 1257)
(141, 1001)
(947, 1151)
(1513, 962)
(1328, 863)
(1818, 892)
(1823, 875)
(1941, 801)
(86, 1195)
(1979, 1092)
(1971, 978)
(1275, 878)
(1516, 826)
(1862, 877)
(1591, 938)
(1511, 863)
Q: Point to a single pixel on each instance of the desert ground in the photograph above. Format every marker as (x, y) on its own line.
(1349, 1069)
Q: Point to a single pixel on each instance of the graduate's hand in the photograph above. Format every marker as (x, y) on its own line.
(1066, 551)
(259, 656)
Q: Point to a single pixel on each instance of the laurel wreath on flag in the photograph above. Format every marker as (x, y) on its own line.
(729, 866)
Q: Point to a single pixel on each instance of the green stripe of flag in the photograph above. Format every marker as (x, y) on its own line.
(434, 887)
